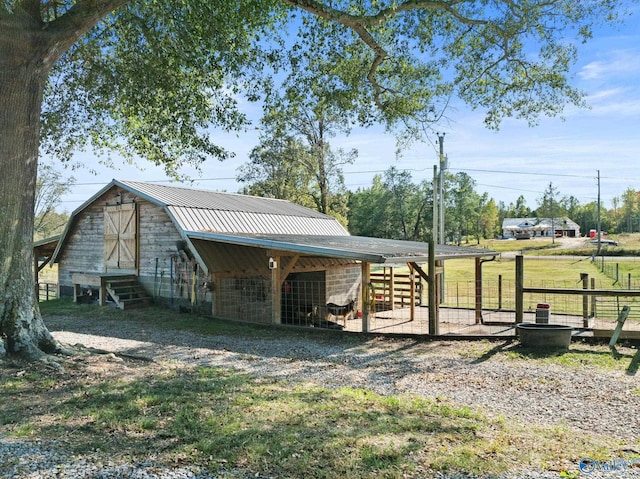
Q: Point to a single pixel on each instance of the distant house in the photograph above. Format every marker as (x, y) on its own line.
(527, 228)
(235, 256)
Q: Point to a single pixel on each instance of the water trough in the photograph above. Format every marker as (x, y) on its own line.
(544, 335)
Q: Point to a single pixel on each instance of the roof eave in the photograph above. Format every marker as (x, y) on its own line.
(286, 246)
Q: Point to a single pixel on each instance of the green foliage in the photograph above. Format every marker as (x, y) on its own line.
(295, 161)
(50, 188)
(394, 207)
(275, 170)
(153, 77)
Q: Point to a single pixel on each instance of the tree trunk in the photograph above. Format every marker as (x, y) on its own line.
(23, 74)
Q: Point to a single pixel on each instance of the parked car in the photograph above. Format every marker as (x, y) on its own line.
(605, 242)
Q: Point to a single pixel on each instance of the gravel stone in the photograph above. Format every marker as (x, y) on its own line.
(587, 401)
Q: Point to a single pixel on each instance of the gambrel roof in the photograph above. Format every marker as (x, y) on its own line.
(202, 210)
(229, 213)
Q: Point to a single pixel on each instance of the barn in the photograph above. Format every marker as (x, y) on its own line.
(234, 256)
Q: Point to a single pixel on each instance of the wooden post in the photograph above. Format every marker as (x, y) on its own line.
(519, 289)
(102, 292)
(215, 294)
(276, 289)
(478, 291)
(366, 295)
(584, 277)
(392, 290)
(622, 317)
(593, 299)
(433, 300)
(412, 294)
(440, 283)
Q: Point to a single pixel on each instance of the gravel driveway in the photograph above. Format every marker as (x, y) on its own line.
(587, 400)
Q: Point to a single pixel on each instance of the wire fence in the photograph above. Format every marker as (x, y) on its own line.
(614, 269)
(304, 303)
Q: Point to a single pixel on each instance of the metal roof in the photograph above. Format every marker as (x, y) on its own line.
(224, 221)
(537, 223)
(201, 210)
(359, 248)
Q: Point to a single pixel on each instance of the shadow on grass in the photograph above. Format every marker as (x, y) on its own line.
(498, 348)
(632, 370)
(212, 417)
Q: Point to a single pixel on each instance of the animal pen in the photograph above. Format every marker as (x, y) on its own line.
(396, 299)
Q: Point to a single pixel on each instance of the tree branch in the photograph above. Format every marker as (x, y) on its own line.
(359, 24)
(64, 31)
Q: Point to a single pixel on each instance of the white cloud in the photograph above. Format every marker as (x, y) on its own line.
(619, 63)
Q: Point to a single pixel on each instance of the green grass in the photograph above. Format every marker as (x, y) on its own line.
(579, 356)
(536, 271)
(215, 418)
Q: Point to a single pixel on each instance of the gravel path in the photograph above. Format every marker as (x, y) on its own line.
(587, 401)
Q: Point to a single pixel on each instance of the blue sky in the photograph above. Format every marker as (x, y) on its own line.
(516, 160)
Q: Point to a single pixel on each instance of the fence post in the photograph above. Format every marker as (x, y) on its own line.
(478, 292)
(519, 288)
(593, 298)
(499, 292)
(433, 307)
(584, 277)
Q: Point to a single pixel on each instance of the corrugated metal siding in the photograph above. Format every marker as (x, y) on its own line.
(198, 219)
(211, 200)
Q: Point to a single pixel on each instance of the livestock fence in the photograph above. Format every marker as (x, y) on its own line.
(493, 307)
(47, 291)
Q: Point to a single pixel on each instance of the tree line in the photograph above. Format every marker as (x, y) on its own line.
(295, 161)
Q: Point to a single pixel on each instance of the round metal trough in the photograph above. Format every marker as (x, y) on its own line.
(544, 335)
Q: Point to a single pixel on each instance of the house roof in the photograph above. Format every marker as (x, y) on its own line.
(202, 210)
(357, 248)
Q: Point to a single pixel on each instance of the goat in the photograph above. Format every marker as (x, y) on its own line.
(342, 309)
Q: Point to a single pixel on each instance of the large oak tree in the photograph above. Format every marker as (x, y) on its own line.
(149, 78)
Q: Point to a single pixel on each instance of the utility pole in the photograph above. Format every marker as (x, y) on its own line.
(599, 225)
(434, 228)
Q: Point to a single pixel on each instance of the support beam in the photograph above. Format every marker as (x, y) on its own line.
(584, 278)
(366, 295)
(276, 290)
(478, 291)
(420, 271)
(519, 289)
(412, 294)
(287, 269)
(433, 301)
